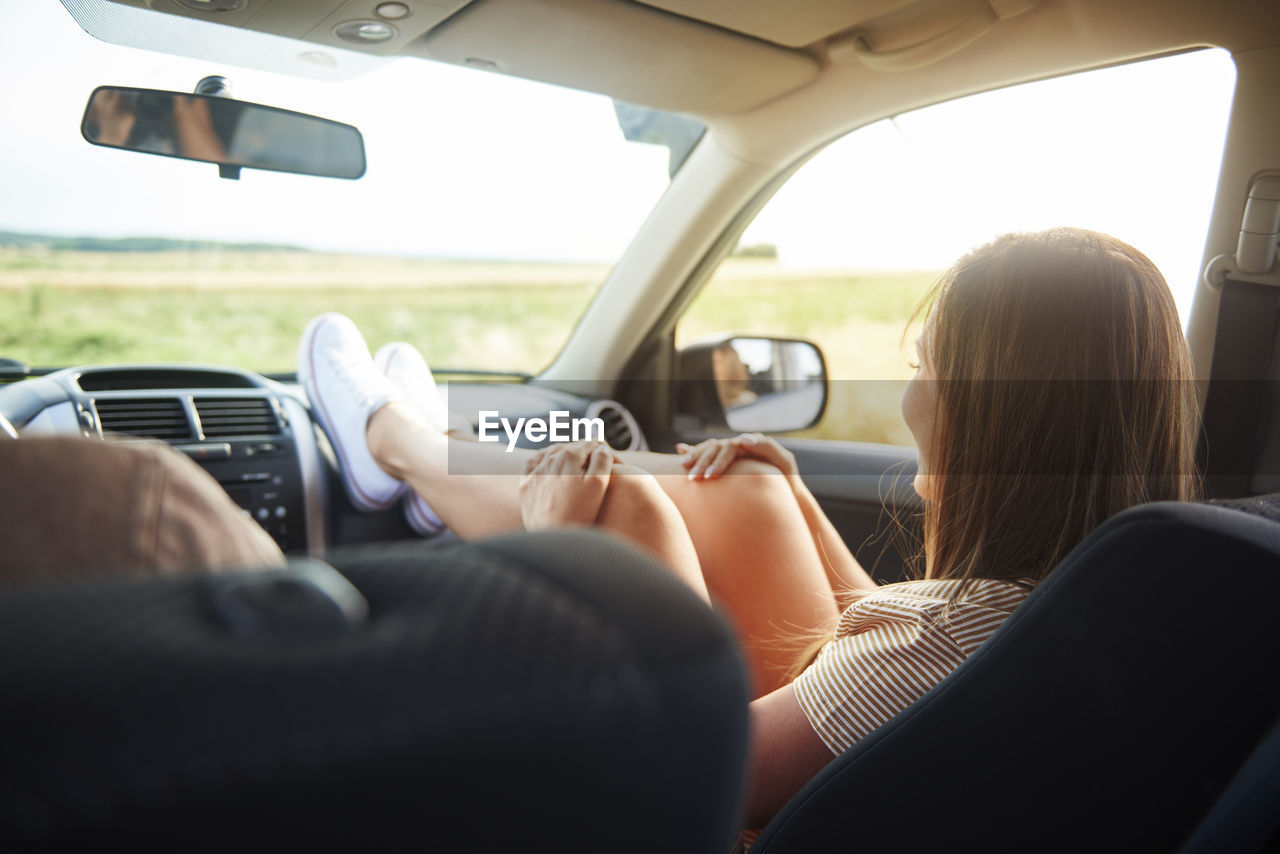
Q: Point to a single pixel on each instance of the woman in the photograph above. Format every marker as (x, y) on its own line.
(1053, 390)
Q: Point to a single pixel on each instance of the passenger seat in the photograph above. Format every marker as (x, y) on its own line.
(1111, 712)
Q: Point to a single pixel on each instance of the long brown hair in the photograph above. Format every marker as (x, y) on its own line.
(1064, 394)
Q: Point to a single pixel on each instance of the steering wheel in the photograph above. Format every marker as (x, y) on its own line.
(22, 401)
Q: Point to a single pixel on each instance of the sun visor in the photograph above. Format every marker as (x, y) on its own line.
(888, 35)
(626, 50)
(795, 23)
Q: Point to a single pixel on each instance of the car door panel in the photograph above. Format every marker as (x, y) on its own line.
(866, 492)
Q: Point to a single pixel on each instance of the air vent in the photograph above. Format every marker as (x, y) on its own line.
(236, 416)
(135, 378)
(154, 417)
(621, 431)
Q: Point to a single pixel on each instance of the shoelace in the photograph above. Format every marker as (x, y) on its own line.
(360, 379)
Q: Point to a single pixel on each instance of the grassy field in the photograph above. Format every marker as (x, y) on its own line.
(248, 308)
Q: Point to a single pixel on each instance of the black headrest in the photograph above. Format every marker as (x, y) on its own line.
(1266, 506)
(1106, 714)
(557, 688)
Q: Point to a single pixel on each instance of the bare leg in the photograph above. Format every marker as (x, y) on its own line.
(756, 551)
(473, 487)
(758, 558)
(636, 509)
(844, 574)
(778, 602)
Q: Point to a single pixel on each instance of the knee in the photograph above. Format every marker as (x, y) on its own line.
(754, 468)
(637, 507)
(751, 489)
(757, 482)
(632, 488)
(635, 496)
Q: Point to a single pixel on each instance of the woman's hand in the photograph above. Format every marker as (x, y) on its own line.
(709, 459)
(564, 485)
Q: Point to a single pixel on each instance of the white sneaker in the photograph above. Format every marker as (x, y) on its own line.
(421, 518)
(345, 389)
(404, 366)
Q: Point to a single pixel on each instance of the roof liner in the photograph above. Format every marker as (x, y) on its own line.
(634, 52)
(795, 23)
(623, 49)
(1057, 37)
(645, 56)
(615, 47)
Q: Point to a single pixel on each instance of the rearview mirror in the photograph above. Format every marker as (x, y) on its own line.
(752, 385)
(217, 129)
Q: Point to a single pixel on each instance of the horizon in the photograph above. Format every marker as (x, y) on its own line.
(490, 168)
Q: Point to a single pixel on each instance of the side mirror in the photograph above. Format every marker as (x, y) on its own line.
(217, 129)
(751, 385)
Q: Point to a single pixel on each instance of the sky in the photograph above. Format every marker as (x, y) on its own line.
(1133, 151)
(464, 163)
(461, 163)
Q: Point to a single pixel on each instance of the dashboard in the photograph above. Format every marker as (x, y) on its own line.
(255, 435)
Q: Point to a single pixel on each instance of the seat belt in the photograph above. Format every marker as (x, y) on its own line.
(1236, 406)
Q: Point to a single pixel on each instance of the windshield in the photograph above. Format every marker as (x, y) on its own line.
(489, 214)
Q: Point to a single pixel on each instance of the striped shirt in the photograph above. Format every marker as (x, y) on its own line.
(893, 645)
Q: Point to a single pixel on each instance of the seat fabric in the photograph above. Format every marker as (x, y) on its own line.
(557, 691)
(1107, 714)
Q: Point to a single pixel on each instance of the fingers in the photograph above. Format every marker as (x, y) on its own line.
(690, 454)
(533, 462)
(567, 459)
(728, 451)
(762, 448)
(577, 458)
(600, 461)
(537, 465)
(712, 458)
(698, 457)
(693, 453)
(768, 449)
(572, 498)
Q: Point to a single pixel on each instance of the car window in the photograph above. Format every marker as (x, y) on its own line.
(491, 210)
(844, 251)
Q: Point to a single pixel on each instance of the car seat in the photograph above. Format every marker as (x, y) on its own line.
(1109, 713)
(555, 691)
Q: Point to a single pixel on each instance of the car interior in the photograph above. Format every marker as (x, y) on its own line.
(361, 695)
